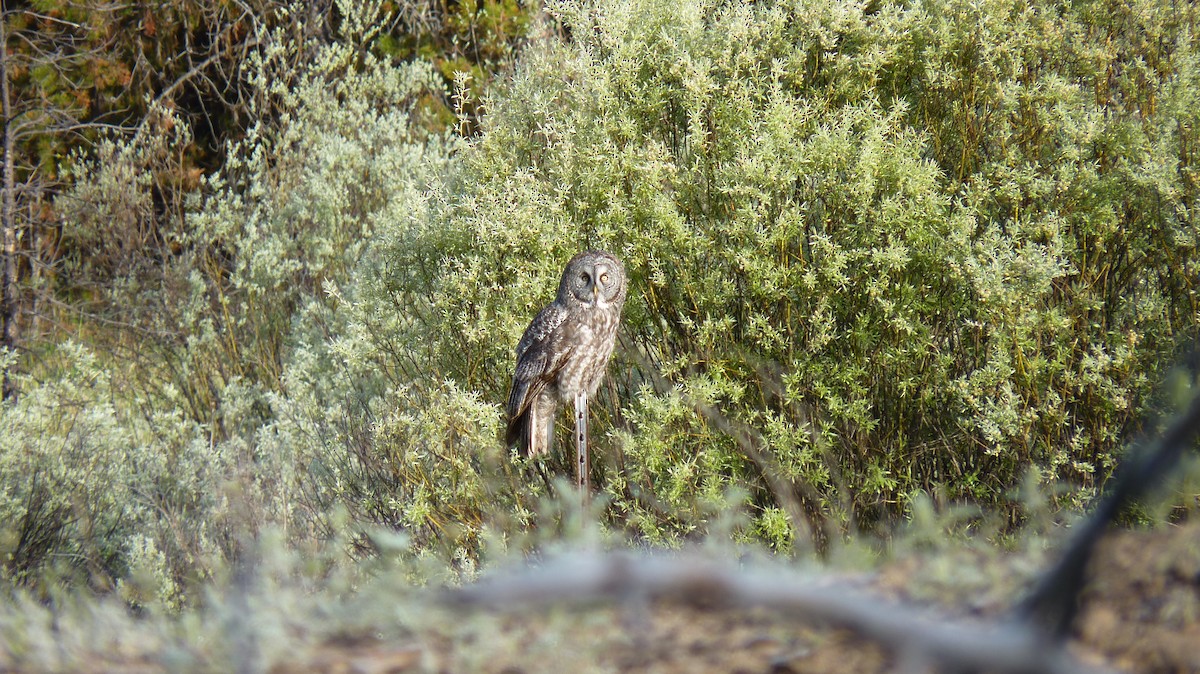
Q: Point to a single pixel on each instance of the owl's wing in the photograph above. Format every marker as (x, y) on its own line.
(542, 328)
(537, 360)
(540, 354)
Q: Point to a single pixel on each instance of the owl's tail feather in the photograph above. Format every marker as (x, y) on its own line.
(530, 437)
(518, 433)
(518, 416)
(530, 422)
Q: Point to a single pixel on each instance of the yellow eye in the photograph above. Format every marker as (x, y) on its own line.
(583, 277)
(604, 278)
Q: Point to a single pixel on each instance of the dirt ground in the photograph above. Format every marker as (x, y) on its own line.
(1140, 613)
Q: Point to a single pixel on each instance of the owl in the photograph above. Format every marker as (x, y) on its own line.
(564, 351)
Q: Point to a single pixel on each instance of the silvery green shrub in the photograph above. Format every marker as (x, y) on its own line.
(875, 249)
(190, 391)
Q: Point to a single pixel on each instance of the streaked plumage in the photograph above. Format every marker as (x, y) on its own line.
(565, 350)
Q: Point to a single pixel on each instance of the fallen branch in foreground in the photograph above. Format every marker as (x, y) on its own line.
(919, 639)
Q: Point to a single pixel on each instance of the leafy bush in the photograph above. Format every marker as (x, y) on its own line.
(874, 250)
(190, 451)
(877, 249)
(92, 488)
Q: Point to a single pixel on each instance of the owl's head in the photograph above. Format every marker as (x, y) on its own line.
(594, 278)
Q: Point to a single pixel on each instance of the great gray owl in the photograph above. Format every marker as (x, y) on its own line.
(564, 351)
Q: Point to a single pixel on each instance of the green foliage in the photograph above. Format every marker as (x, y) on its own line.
(198, 453)
(469, 42)
(875, 251)
(908, 247)
(92, 486)
(64, 452)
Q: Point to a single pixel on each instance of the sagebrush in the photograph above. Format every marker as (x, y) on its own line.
(875, 250)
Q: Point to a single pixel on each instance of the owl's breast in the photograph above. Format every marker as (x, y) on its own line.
(590, 339)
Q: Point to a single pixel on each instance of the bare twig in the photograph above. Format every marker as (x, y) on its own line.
(195, 71)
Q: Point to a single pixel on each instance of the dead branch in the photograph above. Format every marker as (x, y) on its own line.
(920, 638)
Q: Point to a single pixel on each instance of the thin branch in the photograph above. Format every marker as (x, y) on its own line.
(198, 69)
(52, 19)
